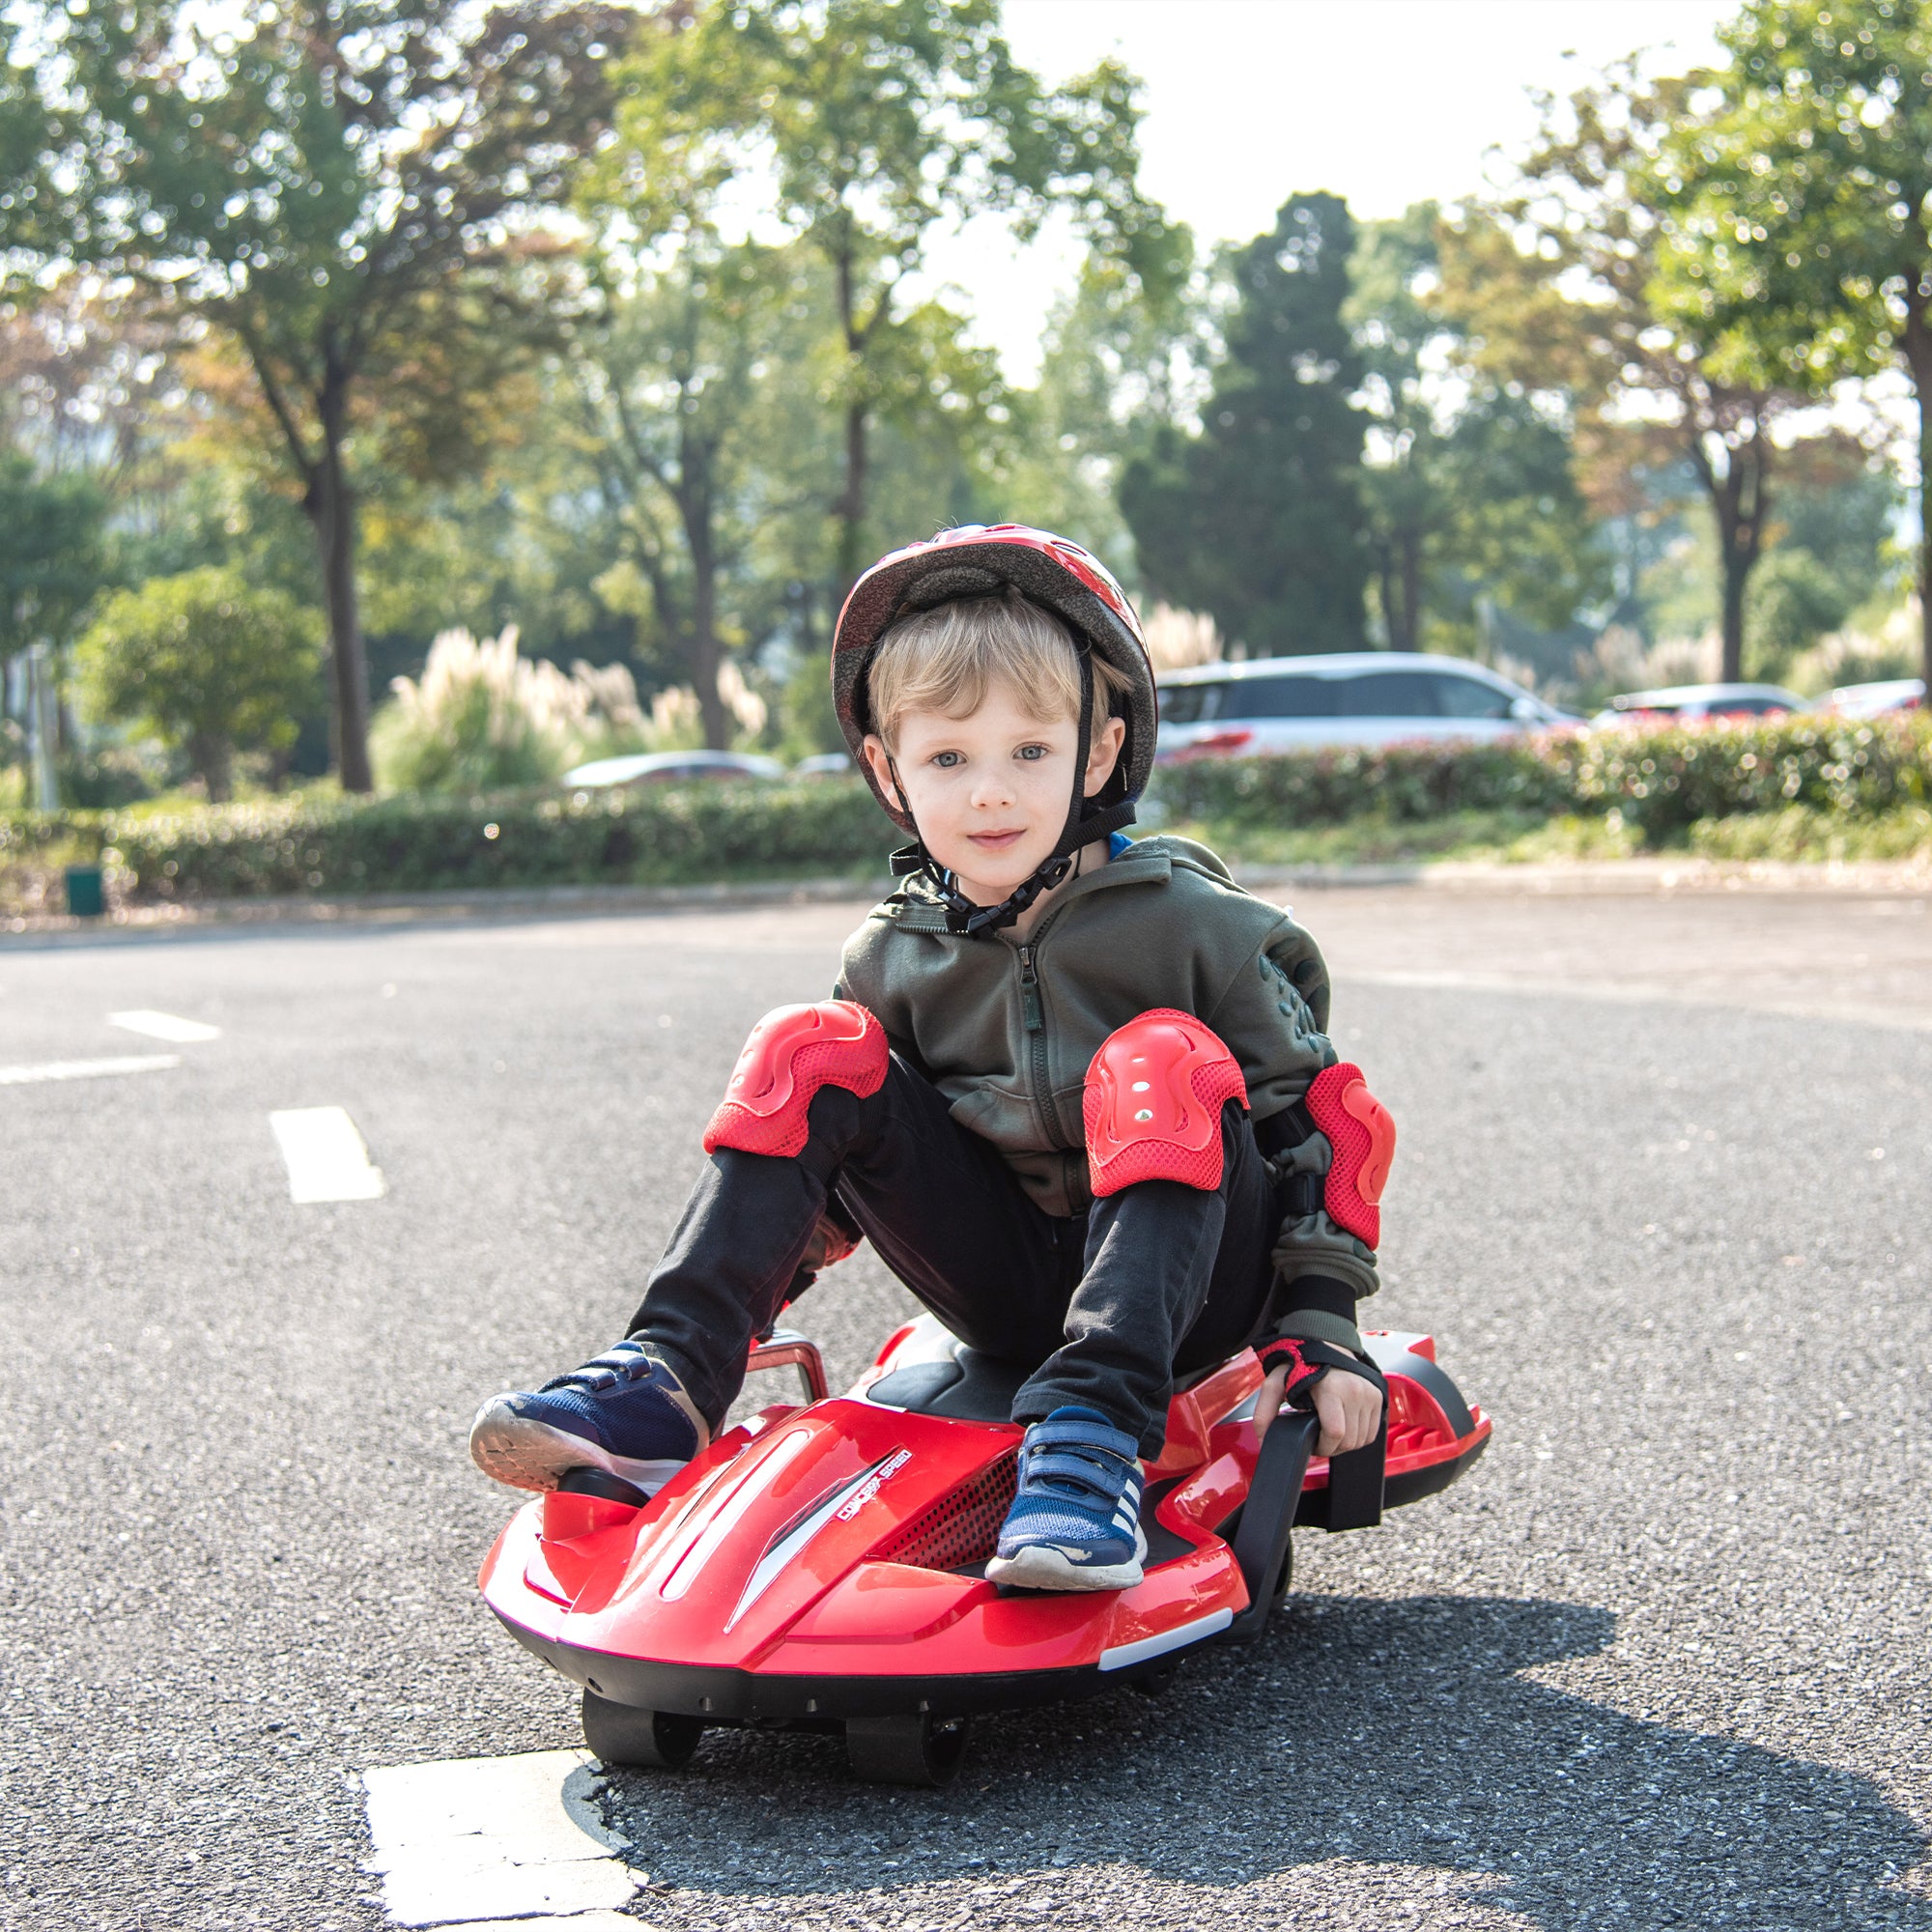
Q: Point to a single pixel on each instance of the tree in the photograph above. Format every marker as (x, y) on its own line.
(868, 122)
(340, 187)
(1468, 484)
(664, 381)
(1799, 205)
(207, 663)
(1258, 519)
(1558, 281)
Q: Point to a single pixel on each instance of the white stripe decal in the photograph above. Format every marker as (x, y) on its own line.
(495, 1839)
(164, 1026)
(326, 1159)
(726, 1519)
(1124, 1654)
(86, 1069)
(779, 1555)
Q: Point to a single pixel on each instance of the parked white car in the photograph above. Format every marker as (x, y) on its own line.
(1684, 702)
(672, 768)
(1348, 697)
(1873, 700)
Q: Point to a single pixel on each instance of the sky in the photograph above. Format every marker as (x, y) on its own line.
(1247, 102)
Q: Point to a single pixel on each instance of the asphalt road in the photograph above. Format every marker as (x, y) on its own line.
(1661, 1661)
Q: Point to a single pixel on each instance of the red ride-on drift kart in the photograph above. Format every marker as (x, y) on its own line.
(822, 1566)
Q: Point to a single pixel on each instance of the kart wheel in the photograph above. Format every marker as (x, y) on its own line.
(1156, 1683)
(618, 1734)
(906, 1751)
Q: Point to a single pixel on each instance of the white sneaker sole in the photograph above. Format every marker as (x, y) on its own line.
(530, 1455)
(1041, 1566)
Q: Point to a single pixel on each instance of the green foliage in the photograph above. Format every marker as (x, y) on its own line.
(1660, 780)
(878, 120)
(1258, 520)
(51, 557)
(655, 836)
(1799, 236)
(205, 662)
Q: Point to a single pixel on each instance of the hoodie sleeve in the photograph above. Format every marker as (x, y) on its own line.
(1273, 1017)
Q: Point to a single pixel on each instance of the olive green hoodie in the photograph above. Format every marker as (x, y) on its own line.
(1006, 1029)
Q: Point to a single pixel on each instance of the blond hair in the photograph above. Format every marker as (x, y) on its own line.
(945, 659)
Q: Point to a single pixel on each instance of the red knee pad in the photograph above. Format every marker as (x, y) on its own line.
(1362, 1135)
(793, 1052)
(1153, 1100)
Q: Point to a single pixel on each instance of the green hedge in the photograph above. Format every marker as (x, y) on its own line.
(1662, 780)
(662, 836)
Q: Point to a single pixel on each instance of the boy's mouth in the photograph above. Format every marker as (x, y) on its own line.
(997, 842)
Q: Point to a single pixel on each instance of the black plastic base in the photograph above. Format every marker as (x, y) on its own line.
(749, 1698)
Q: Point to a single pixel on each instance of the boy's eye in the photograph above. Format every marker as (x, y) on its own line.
(946, 760)
(1035, 751)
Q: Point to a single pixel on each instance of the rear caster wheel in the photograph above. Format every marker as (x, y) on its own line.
(618, 1734)
(906, 1751)
(1156, 1683)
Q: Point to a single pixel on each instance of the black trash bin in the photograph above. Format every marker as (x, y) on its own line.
(85, 898)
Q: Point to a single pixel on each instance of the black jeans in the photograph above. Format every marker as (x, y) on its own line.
(1105, 1307)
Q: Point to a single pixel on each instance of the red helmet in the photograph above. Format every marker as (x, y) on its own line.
(979, 560)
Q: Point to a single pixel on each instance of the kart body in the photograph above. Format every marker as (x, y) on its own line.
(820, 1566)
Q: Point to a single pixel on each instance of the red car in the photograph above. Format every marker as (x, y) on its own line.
(821, 1567)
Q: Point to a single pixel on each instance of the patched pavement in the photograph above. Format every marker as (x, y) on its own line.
(1660, 1659)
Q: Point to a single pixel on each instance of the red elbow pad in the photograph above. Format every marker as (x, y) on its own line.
(793, 1052)
(1362, 1135)
(1153, 1100)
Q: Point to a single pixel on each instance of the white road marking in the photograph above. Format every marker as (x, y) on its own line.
(163, 1026)
(86, 1069)
(484, 1840)
(327, 1159)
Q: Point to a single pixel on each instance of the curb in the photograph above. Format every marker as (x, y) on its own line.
(1646, 878)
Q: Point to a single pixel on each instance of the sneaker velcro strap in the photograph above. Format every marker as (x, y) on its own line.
(1095, 1439)
(1085, 1472)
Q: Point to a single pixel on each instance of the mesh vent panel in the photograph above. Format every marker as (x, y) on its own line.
(960, 1529)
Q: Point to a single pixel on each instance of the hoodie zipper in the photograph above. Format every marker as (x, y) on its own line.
(1032, 1012)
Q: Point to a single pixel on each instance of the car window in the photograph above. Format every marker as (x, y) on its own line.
(1459, 697)
(1388, 693)
(1289, 695)
(1189, 703)
(1746, 707)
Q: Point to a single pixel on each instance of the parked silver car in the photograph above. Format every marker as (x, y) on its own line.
(1347, 697)
(1686, 702)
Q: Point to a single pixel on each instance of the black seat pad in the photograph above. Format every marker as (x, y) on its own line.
(971, 1387)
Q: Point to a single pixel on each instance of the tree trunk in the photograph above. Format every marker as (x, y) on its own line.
(1922, 379)
(1731, 620)
(1739, 502)
(851, 510)
(1411, 591)
(331, 505)
(706, 658)
(213, 758)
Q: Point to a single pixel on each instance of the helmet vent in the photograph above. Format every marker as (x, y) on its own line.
(961, 1530)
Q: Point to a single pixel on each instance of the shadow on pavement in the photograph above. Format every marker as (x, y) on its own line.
(1371, 1732)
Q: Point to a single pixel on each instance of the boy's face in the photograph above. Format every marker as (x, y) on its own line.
(990, 792)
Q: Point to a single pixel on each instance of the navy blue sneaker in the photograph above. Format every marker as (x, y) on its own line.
(1075, 1523)
(624, 1411)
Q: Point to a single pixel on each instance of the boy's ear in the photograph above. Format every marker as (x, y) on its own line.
(1104, 754)
(881, 763)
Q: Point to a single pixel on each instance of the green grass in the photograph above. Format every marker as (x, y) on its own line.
(1802, 833)
(1502, 837)
(1797, 833)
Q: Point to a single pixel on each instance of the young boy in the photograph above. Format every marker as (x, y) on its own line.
(1074, 1089)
